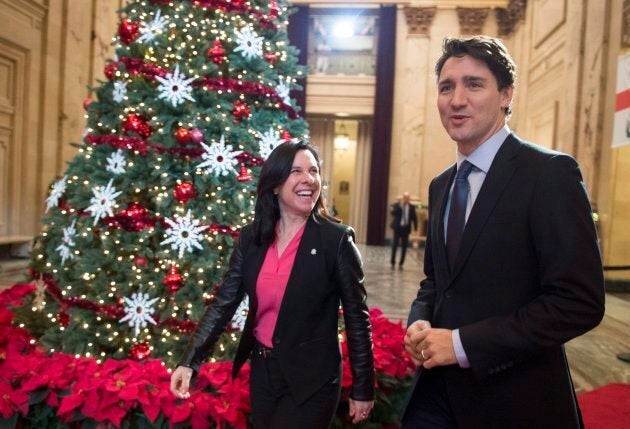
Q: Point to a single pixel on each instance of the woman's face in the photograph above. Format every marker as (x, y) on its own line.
(299, 193)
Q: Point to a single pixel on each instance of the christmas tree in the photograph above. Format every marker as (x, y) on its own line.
(139, 229)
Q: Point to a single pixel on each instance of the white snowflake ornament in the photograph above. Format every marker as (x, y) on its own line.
(238, 321)
(283, 92)
(175, 87)
(184, 234)
(249, 43)
(116, 162)
(152, 29)
(103, 201)
(219, 158)
(56, 192)
(67, 242)
(268, 142)
(120, 91)
(139, 309)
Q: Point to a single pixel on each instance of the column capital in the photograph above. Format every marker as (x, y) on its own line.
(472, 20)
(508, 18)
(419, 19)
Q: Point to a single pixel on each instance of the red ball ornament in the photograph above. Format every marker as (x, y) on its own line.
(216, 53)
(244, 175)
(241, 111)
(128, 31)
(173, 279)
(140, 261)
(184, 192)
(139, 352)
(134, 218)
(271, 58)
(182, 135)
(86, 103)
(110, 70)
(196, 135)
(64, 318)
(135, 123)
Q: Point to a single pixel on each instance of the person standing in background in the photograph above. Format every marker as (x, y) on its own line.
(513, 269)
(403, 216)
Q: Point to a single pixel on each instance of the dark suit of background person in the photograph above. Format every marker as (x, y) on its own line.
(305, 360)
(401, 225)
(526, 279)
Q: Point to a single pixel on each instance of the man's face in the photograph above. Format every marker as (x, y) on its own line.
(472, 107)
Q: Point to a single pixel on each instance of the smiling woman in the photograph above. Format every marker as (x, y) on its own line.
(291, 328)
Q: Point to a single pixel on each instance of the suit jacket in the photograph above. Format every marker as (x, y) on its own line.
(527, 278)
(397, 214)
(327, 271)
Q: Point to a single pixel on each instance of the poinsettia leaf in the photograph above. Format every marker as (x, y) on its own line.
(38, 396)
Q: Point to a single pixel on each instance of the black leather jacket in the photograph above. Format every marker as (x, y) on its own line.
(327, 271)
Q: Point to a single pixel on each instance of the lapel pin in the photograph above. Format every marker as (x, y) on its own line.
(313, 251)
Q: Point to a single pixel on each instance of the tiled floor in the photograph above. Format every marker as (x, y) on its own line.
(592, 357)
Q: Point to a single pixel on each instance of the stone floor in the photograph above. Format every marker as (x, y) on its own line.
(592, 357)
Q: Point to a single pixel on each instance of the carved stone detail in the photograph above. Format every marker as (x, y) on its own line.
(419, 19)
(471, 20)
(508, 18)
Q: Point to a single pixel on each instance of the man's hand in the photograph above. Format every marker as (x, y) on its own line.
(430, 347)
(411, 342)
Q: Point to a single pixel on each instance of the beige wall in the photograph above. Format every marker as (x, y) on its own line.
(566, 53)
(50, 50)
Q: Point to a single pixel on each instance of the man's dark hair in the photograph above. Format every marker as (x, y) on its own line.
(484, 48)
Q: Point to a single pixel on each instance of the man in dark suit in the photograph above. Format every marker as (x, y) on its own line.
(403, 216)
(512, 265)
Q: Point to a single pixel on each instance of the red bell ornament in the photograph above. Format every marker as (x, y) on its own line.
(286, 136)
(244, 175)
(128, 31)
(86, 103)
(273, 9)
(185, 191)
(216, 53)
(173, 279)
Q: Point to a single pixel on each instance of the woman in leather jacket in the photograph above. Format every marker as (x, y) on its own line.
(296, 263)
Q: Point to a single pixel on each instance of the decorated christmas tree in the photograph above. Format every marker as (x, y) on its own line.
(139, 228)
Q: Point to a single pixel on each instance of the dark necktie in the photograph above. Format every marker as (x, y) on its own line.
(457, 212)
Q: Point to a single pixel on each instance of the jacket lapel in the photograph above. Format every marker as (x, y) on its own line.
(252, 262)
(496, 180)
(439, 222)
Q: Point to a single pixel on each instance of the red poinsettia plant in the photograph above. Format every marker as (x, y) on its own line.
(38, 389)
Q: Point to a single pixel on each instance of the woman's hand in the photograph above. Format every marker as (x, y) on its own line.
(360, 410)
(180, 382)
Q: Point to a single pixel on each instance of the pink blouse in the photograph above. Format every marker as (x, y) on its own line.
(270, 286)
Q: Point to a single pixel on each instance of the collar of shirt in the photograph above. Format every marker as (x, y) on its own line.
(483, 156)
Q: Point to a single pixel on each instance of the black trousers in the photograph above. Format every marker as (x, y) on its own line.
(429, 406)
(273, 406)
(401, 236)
